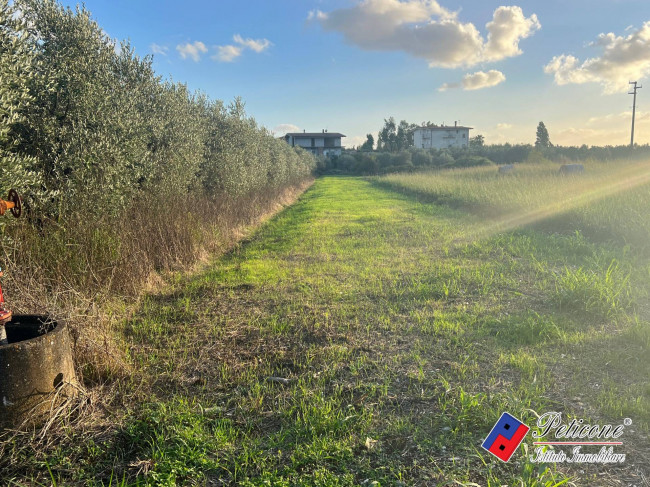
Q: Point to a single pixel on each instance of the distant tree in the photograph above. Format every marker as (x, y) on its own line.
(387, 135)
(401, 137)
(395, 138)
(477, 142)
(369, 144)
(542, 141)
(404, 136)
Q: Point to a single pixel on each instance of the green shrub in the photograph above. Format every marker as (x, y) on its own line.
(443, 158)
(346, 163)
(402, 159)
(421, 158)
(471, 161)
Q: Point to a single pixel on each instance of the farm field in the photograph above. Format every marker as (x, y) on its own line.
(335, 290)
(608, 201)
(373, 333)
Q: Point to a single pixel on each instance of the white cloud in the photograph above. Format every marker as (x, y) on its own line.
(507, 28)
(424, 29)
(316, 14)
(480, 79)
(476, 81)
(230, 52)
(158, 49)
(618, 118)
(227, 54)
(285, 128)
(192, 50)
(257, 45)
(504, 126)
(589, 136)
(354, 141)
(449, 86)
(613, 128)
(622, 59)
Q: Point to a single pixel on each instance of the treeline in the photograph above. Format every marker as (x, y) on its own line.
(87, 123)
(368, 162)
(118, 167)
(395, 152)
(599, 153)
(513, 153)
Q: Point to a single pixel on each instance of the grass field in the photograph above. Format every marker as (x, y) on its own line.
(609, 201)
(366, 336)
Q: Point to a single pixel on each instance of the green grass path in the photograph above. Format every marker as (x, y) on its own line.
(359, 339)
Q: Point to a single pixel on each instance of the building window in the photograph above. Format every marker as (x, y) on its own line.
(463, 136)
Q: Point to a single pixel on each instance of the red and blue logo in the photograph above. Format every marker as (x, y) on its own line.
(505, 437)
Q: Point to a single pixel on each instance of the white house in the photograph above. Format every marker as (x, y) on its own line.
(319, 143)
(441, 137)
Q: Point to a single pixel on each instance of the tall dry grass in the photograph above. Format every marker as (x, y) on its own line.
(88, 273)
(608, 201)
(124, 175)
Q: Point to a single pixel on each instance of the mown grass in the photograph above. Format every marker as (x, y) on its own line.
(364, 338)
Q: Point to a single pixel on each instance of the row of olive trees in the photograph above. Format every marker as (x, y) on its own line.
(86, 123)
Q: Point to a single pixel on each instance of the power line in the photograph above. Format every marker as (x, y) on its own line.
(633, 92)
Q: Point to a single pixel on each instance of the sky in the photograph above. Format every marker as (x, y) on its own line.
(346, 65)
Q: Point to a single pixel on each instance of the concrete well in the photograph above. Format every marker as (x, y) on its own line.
(34, 366)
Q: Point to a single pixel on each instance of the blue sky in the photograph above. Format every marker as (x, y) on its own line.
(345, 65)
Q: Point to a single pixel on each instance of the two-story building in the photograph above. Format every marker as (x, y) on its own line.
(441, 137)
(319, 143)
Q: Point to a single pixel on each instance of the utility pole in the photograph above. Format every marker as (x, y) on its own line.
(633, 92)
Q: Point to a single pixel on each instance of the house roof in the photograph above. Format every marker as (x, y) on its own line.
(444, 127)
(314, 134)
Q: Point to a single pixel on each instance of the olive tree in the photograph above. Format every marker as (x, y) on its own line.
(18, 71)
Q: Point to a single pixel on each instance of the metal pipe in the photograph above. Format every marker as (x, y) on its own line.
(15, 204)
(5, 316)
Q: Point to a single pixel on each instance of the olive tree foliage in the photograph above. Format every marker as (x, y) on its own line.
(102, 129)
(80, 135)
(18, 70)
(241, 158)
